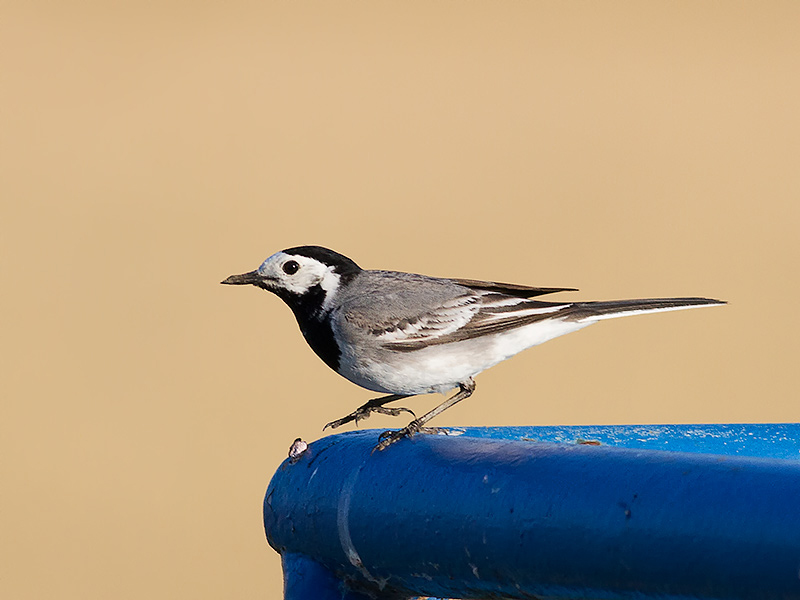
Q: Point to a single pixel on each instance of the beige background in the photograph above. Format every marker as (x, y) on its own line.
(151, 149)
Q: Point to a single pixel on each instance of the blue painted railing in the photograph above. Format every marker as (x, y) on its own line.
(675, 511)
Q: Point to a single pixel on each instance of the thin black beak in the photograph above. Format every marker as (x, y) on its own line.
(251, 278)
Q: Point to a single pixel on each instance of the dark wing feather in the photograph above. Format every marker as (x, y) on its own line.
(470, 320)
(510, 289)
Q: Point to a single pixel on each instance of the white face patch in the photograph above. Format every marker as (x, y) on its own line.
(298, 274)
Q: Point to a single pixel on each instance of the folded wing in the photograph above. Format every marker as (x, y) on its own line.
(487, 312)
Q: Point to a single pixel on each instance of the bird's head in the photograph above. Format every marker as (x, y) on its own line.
(298, 273)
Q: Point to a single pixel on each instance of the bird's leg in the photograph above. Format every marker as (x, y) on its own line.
(374, 405)
(387, 438)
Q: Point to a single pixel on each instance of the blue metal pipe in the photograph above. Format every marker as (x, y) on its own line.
(479, 515)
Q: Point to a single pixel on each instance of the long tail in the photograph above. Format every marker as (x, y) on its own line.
(597, 311)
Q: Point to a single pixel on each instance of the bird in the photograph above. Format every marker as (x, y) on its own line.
(405, 334)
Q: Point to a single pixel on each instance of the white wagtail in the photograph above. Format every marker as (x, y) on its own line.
(404, 334)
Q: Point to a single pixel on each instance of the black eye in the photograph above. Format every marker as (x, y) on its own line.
(290, 267)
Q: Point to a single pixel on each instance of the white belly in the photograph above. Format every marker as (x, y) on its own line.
(441, 367)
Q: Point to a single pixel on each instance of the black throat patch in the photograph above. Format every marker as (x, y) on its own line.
(314, 324)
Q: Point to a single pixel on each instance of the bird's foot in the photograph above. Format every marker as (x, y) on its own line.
(364, 412)
(387, 438)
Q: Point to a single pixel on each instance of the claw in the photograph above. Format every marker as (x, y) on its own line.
(337, 423)
(387, 438)
(362, 413)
